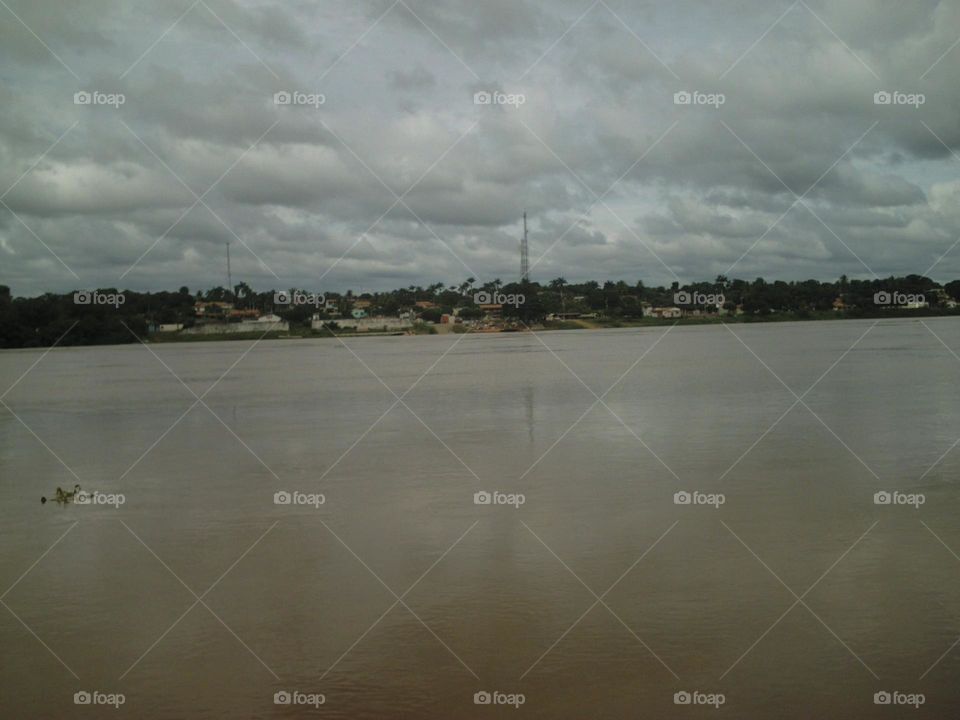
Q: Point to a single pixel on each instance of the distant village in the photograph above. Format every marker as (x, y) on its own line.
(337, 313)
(495, 307)
(114, 316)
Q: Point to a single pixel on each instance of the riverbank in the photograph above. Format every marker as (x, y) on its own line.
(565, 325)
(558, 325)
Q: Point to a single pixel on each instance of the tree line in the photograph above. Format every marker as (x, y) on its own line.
(40, 321)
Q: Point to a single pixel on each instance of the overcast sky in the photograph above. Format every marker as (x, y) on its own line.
(400, 177)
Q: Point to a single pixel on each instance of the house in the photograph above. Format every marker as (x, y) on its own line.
(491, 310)
(169, 327)
(838, 304)
(425, 304)
(358, 314)
(202, 309)
(362, 303)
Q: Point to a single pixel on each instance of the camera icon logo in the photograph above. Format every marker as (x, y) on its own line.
(482, 698)
(282, 98)
(682, 498)
(281, 297)
(482, 298)
(882, 97)
(282, 697)
(682, 98)
(82, 98)
(682, 698)
(482, 98)
(82, 297)
(882, 298)
(482, 498)
(882, 498)
(82, 698)
(82, 498)
(682, 298)
(882, 698)
(282, 497)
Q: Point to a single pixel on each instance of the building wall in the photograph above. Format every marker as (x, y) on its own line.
(365, 324)
(240, 327)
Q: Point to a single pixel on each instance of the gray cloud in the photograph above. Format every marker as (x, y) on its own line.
(318, 190)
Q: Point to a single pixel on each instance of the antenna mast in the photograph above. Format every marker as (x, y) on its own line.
(229, 274)
(524, 258)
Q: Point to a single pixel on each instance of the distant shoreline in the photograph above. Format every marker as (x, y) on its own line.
(553, 326)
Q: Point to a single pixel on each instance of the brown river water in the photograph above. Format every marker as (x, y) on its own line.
(389, 588)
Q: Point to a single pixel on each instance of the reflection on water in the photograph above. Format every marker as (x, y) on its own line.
(400, 597)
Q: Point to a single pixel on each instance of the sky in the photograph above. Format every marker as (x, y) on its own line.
(388, 168)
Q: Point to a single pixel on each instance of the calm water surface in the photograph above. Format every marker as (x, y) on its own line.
(598, 597)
